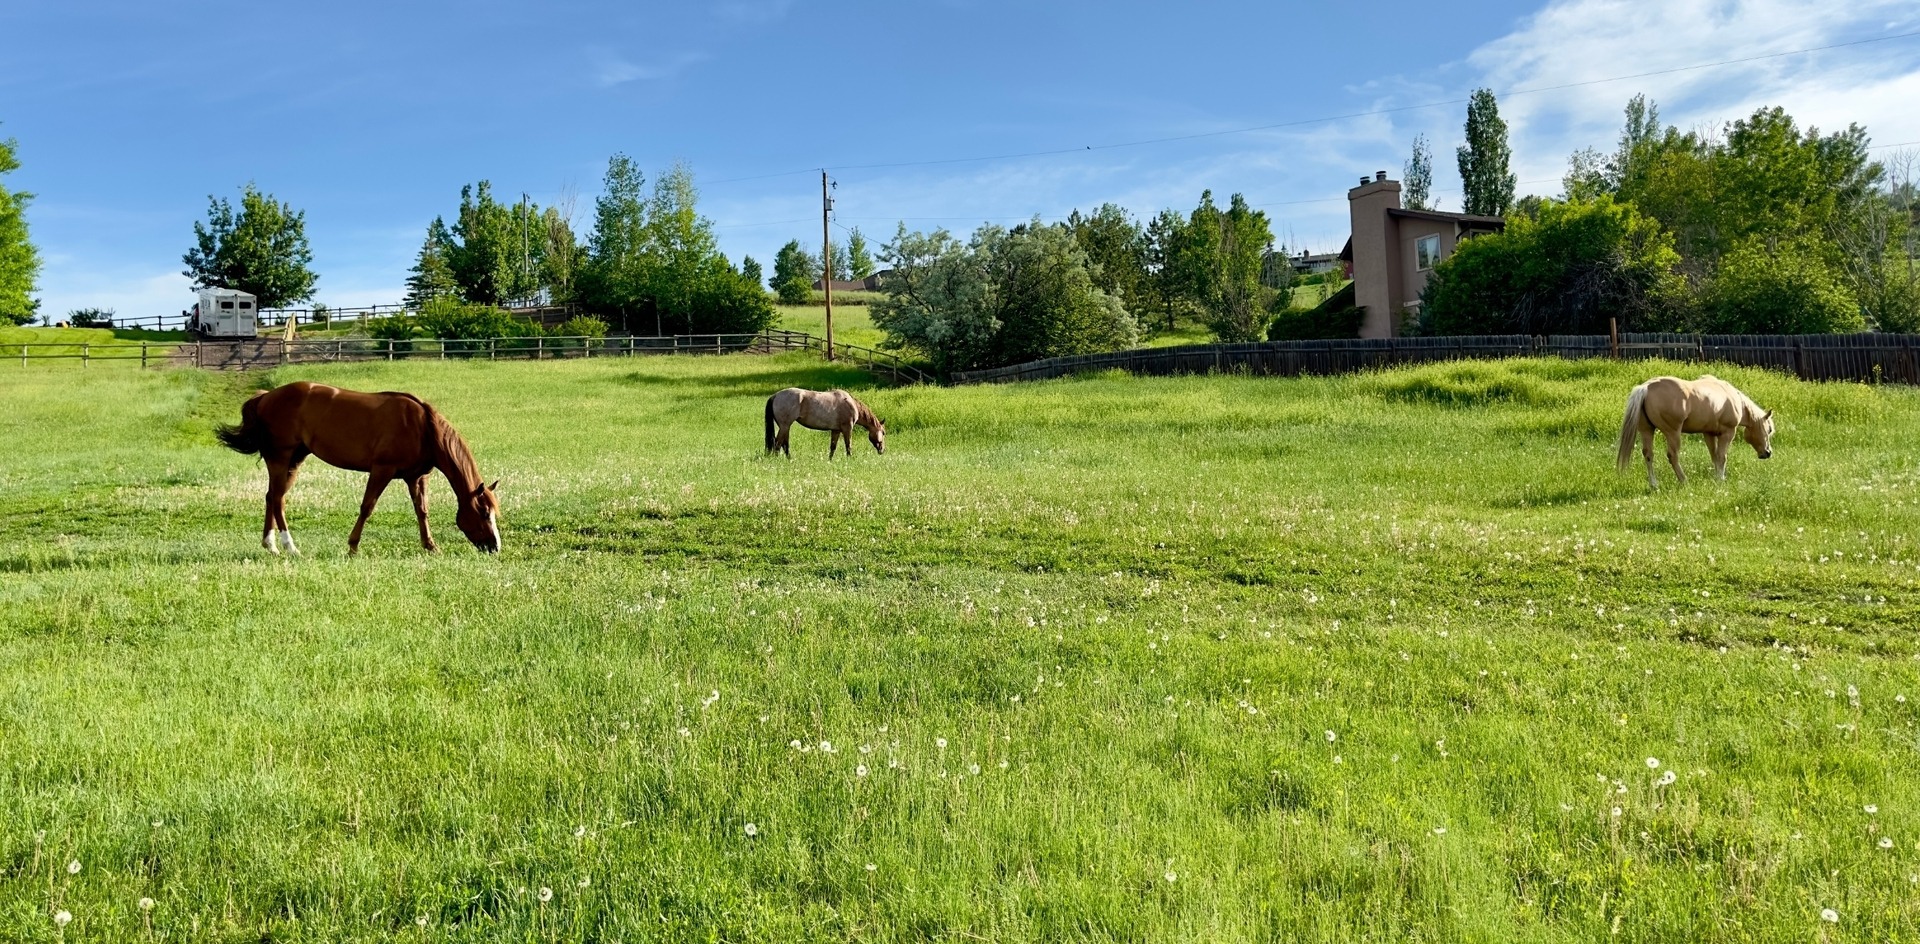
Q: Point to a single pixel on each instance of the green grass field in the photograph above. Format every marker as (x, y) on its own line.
(1384, 657)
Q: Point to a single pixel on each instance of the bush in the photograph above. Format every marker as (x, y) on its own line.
(1788, 288)
(1568, 271)
(580, 326)
(451, 319)
(1334, 318)
(91, 317)
(396, 328)
(727, 302)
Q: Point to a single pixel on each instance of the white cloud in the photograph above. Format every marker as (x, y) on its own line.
(610, 69)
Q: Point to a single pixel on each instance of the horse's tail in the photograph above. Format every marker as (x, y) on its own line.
(1630, 424)
(770, 424)
(250, 438)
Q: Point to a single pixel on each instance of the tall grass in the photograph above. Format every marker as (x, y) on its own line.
(1394, 656)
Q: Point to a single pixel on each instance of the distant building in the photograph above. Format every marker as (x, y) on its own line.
(1306, 263)
(1393, 250)
(869, 284)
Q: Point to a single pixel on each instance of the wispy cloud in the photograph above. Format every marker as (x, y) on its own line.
(610, 69)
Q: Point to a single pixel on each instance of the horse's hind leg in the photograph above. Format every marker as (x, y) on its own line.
(418, 489)
(1646, 435)
(280, 504)
(280, 473)
(1673, 455)
(783, 441)
(1717, 446)
(376, 483)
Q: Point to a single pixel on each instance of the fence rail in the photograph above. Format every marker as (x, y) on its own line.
(269, 352)
(1854, 357)
(277, 317)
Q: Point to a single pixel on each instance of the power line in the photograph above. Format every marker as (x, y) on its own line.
(1051, 152)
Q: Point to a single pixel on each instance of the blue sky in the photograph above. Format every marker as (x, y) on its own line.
(370, 116)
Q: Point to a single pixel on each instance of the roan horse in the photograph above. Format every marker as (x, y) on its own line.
(386, 435)
(835, 411)
(1708, 406)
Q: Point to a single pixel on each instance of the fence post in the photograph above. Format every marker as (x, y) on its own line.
(143, 355)
(1613, 332)
(23, 355)
(85, 353)
(492, 344)
(539, 348)
(389, 349)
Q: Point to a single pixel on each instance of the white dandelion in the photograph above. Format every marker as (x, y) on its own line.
(871, 867)
(940, 743)
(421, 921)
(973, 769)
(752, 830)
(860, 771)
(1172, 877)
(826, 747)
(1332, 737)
(1830, 916)
(73, 868)
(1668, 778)
(579, 832)
(795, 744)
(146, 904)
(1653, 763)
(1616, 812)
(62, 917)
(1439, 830)
(586, 880)
(546, 894)
(1871, 809)
(1886, 842)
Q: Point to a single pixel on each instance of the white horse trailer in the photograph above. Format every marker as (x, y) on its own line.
(223, 313)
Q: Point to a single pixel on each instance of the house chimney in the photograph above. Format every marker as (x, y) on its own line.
(1364, 181)
(1380, 176)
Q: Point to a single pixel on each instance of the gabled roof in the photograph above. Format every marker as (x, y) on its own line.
(1439, 217)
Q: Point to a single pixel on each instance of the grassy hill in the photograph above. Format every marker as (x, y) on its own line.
(1395, 656)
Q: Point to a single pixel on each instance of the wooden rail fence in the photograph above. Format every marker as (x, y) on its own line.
(269, 352)
(1865, 357)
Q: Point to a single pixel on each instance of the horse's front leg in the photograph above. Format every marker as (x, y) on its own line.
(279, 479)
(1718, 446)
(376, 483)
(833, 442)
(418, 489)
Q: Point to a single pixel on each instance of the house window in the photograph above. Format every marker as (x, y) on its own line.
(1426, 252)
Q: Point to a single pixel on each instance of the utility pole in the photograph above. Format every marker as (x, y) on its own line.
(826, 254)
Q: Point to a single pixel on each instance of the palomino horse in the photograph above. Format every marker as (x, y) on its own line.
(835, 411)
(386, 435)
(1708, 406)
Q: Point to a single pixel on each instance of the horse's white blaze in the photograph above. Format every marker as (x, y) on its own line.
(494, 526)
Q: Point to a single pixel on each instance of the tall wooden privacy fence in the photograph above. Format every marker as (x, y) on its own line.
(1856, 357)
(266, 352)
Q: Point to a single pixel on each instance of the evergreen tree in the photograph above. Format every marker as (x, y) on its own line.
(750, 270)
(432, 277)
(613, 280)
(1484, 159)
(1116, 249)
(859, 257)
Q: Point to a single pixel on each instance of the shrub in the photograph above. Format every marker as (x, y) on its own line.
(1334, 318)
(450, 318)
(91, 317)
(581, 326)
(1787, 288)
(396, 328)
(1568, 271)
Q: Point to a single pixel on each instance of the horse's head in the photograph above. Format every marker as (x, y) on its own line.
(1759, 435)
(478, 518)
(877, 434)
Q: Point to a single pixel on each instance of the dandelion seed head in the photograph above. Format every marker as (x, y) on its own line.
(871, 867)
(1830, 916)
(1886, 842)
(1172, 877)
(860, 771)
(421, 921)
(546, 894)
(1871, 809)
(940, 743)
(1332, 737)
(752, 830)
(62, 917)
(146, 904)
(1653, 763)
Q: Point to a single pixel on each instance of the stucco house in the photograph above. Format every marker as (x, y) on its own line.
(1393, 250)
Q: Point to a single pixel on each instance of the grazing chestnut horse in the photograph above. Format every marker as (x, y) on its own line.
(1708, 406)
(386, 435)
(835, 411)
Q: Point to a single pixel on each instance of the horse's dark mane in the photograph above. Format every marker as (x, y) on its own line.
(450, 451)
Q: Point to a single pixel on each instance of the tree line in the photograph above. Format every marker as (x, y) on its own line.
(1755, 227)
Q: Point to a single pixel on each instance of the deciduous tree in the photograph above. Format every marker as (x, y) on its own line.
(19, 260)
(1417, 180)
(1484, 172)
(261, 250)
